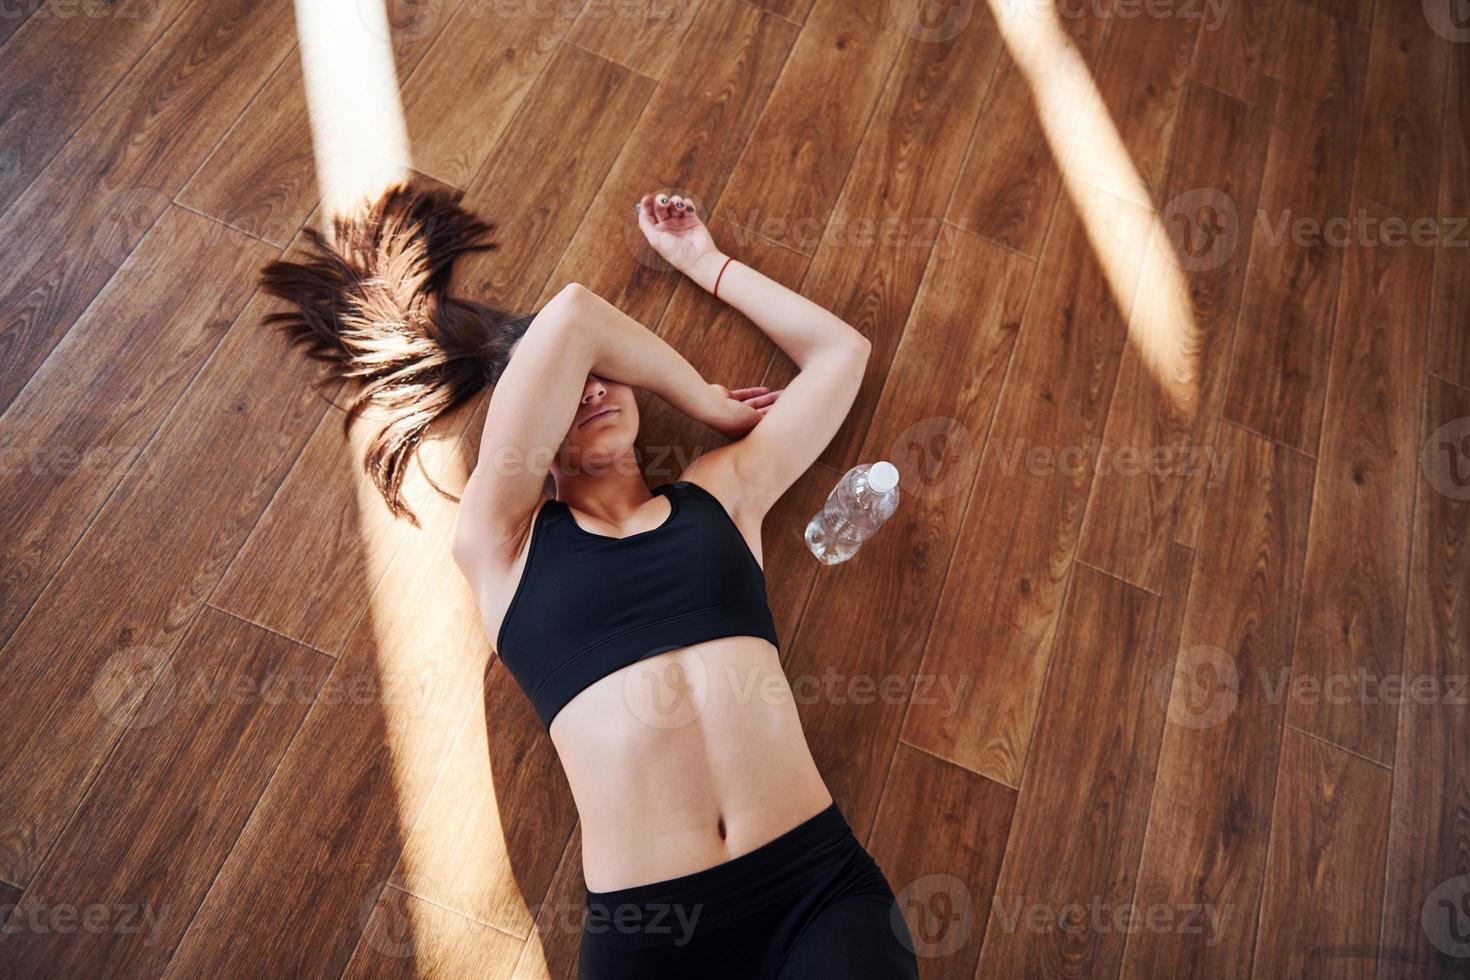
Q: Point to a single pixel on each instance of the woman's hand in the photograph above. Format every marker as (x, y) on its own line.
(674, 230)
(734, 413)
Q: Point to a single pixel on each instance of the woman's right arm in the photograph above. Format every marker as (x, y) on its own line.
(532, 407)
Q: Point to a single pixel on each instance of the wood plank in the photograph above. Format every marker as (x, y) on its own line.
(9, 901)
(488, 840)
(1031, 492)
(1449, 341)
(57, 68)
(15, 16)
(1359, 12)
(1350, 639)
(843, 55)
(132, 155)
(346, 794)
(163, 814)
(464, 93)
(686, 141)
(1323, 889)
(138, 576)
(1429, 838)
(551, 952)
(1279, 363)
(643, 35)
(1398, 152)
(1157, 449)
(407, 938)
(886, 225)
(1142, 73)
(939, 837)
(1237, 46)
(1008, 189)
(263, 177)
(793, 10)
(868, 618)
(1210, 819)
(581, 93)
(74, 430)
(1083, 803)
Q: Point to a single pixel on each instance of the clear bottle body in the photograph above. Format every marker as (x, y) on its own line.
(853, 513)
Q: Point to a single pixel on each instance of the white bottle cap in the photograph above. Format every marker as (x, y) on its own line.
(883, 476)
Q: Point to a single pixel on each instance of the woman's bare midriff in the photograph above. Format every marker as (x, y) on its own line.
(684, 761)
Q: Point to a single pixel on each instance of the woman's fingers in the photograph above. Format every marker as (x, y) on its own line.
(744, 393)
(765, 400)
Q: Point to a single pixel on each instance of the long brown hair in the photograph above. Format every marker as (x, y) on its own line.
(372, 304)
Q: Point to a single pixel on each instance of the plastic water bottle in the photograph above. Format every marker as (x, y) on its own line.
(863, 499)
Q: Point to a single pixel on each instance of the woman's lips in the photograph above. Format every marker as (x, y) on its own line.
(598, 415)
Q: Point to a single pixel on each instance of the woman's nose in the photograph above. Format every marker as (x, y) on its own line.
(593, 389)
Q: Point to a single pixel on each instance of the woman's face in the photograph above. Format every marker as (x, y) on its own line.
(604, 428)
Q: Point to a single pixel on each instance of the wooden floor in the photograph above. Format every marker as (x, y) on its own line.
(1160, 669)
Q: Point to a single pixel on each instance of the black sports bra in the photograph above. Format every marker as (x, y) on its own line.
(588, 604)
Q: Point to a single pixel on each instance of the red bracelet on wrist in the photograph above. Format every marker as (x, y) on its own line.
(716, 291)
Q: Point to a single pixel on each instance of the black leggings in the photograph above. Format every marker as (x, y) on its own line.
(810, 904)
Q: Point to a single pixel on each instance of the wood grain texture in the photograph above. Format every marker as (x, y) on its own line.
(1449, 340)
(130, 588)
(687, 140)
(1237, 45)
(1079, 818)
(150, 837)
(57, 68)
(844, 52)
(867, 619)
(550, 953)
(82, 421)
(537, 192)
(1210, 818)
(1350, 639)
(1398, 151)
(939, 837)
(1158, 442)
(464, 92)
(347, 793)
(1279, 363)
(261, 177)
(998, 612)
(1429, 837)
(886, 226)
(1008, 189)
(406, 938)
(132, 154)
(1329, 825)
(643, 35)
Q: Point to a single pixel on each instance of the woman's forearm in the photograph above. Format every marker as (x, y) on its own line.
(622, 349)
(798, 326)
